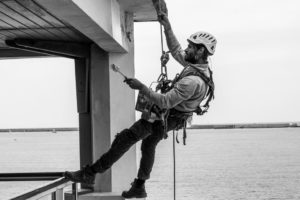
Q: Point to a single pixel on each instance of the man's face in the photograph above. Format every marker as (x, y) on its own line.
(190, 53)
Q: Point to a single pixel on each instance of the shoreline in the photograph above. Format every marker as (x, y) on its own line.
(196, 126)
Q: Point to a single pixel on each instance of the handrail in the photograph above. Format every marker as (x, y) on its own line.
(38, 129)
(30, 176)
(54, 188)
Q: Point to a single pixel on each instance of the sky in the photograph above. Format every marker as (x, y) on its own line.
(38, 93)
(256, 66)
(256, 63)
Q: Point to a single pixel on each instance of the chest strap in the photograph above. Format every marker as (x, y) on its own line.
(201, 109)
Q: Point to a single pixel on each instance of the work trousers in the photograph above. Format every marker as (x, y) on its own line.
(149, 133)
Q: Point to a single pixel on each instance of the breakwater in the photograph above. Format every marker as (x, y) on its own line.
(246, 125)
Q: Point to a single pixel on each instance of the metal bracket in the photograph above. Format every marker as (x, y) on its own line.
(52, 48)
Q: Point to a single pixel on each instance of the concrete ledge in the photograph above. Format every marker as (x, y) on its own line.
(143, 10)
(102, 196)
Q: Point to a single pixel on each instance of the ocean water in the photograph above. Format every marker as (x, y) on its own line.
(223, 164)
(36, 152)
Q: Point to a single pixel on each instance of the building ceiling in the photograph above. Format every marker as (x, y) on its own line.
(28, 20)
(143, 9)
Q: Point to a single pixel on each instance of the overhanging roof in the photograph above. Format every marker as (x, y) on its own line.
(69, 20)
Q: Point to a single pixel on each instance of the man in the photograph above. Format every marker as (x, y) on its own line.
(182, 100)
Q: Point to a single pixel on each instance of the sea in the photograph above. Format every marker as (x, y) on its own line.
(215, 164)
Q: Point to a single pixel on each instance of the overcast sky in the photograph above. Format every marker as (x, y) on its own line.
(256, 66)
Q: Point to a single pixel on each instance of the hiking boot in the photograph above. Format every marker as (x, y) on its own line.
(85, 175)
(136, 191)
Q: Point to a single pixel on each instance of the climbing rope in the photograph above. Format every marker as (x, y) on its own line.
(161, 39)
(174, 166)
(164, 77)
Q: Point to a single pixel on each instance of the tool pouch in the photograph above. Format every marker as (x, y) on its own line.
(150, 111)
(143, 104)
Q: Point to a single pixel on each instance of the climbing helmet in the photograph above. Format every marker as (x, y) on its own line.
(207, 39)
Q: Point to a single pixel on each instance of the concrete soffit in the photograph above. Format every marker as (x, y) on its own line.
(143, 10)
(108, 23)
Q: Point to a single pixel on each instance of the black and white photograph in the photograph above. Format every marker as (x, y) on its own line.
(149, 99)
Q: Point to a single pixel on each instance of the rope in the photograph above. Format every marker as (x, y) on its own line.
(163, 68)
(161, 39)
(174, 165)
(164, 71)
(161, 29)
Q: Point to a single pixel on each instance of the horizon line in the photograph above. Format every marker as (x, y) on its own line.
(195, 126)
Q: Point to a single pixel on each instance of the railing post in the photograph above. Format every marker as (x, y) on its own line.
(75, 191)
(58, 195)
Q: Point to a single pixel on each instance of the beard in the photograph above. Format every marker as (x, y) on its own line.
(190, 58)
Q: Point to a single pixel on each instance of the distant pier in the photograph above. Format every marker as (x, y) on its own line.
(246, 125)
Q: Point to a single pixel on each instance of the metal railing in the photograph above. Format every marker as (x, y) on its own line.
(54, 188)
(31, 176)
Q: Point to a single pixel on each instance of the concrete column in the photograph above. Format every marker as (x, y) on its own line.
(112, 110)
(123, 107)
(83, 107)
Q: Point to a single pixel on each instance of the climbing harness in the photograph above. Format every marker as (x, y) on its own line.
(201, 109)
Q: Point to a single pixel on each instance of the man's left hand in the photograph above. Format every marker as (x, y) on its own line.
(160, 7)
(134, 83)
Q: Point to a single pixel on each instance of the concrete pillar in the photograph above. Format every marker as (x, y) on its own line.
(112, 110)
(83, 107)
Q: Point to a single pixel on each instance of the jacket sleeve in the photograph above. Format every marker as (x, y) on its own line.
(175, 47)
(182, 90)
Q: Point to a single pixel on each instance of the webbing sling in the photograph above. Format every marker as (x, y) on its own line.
(208, 80)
